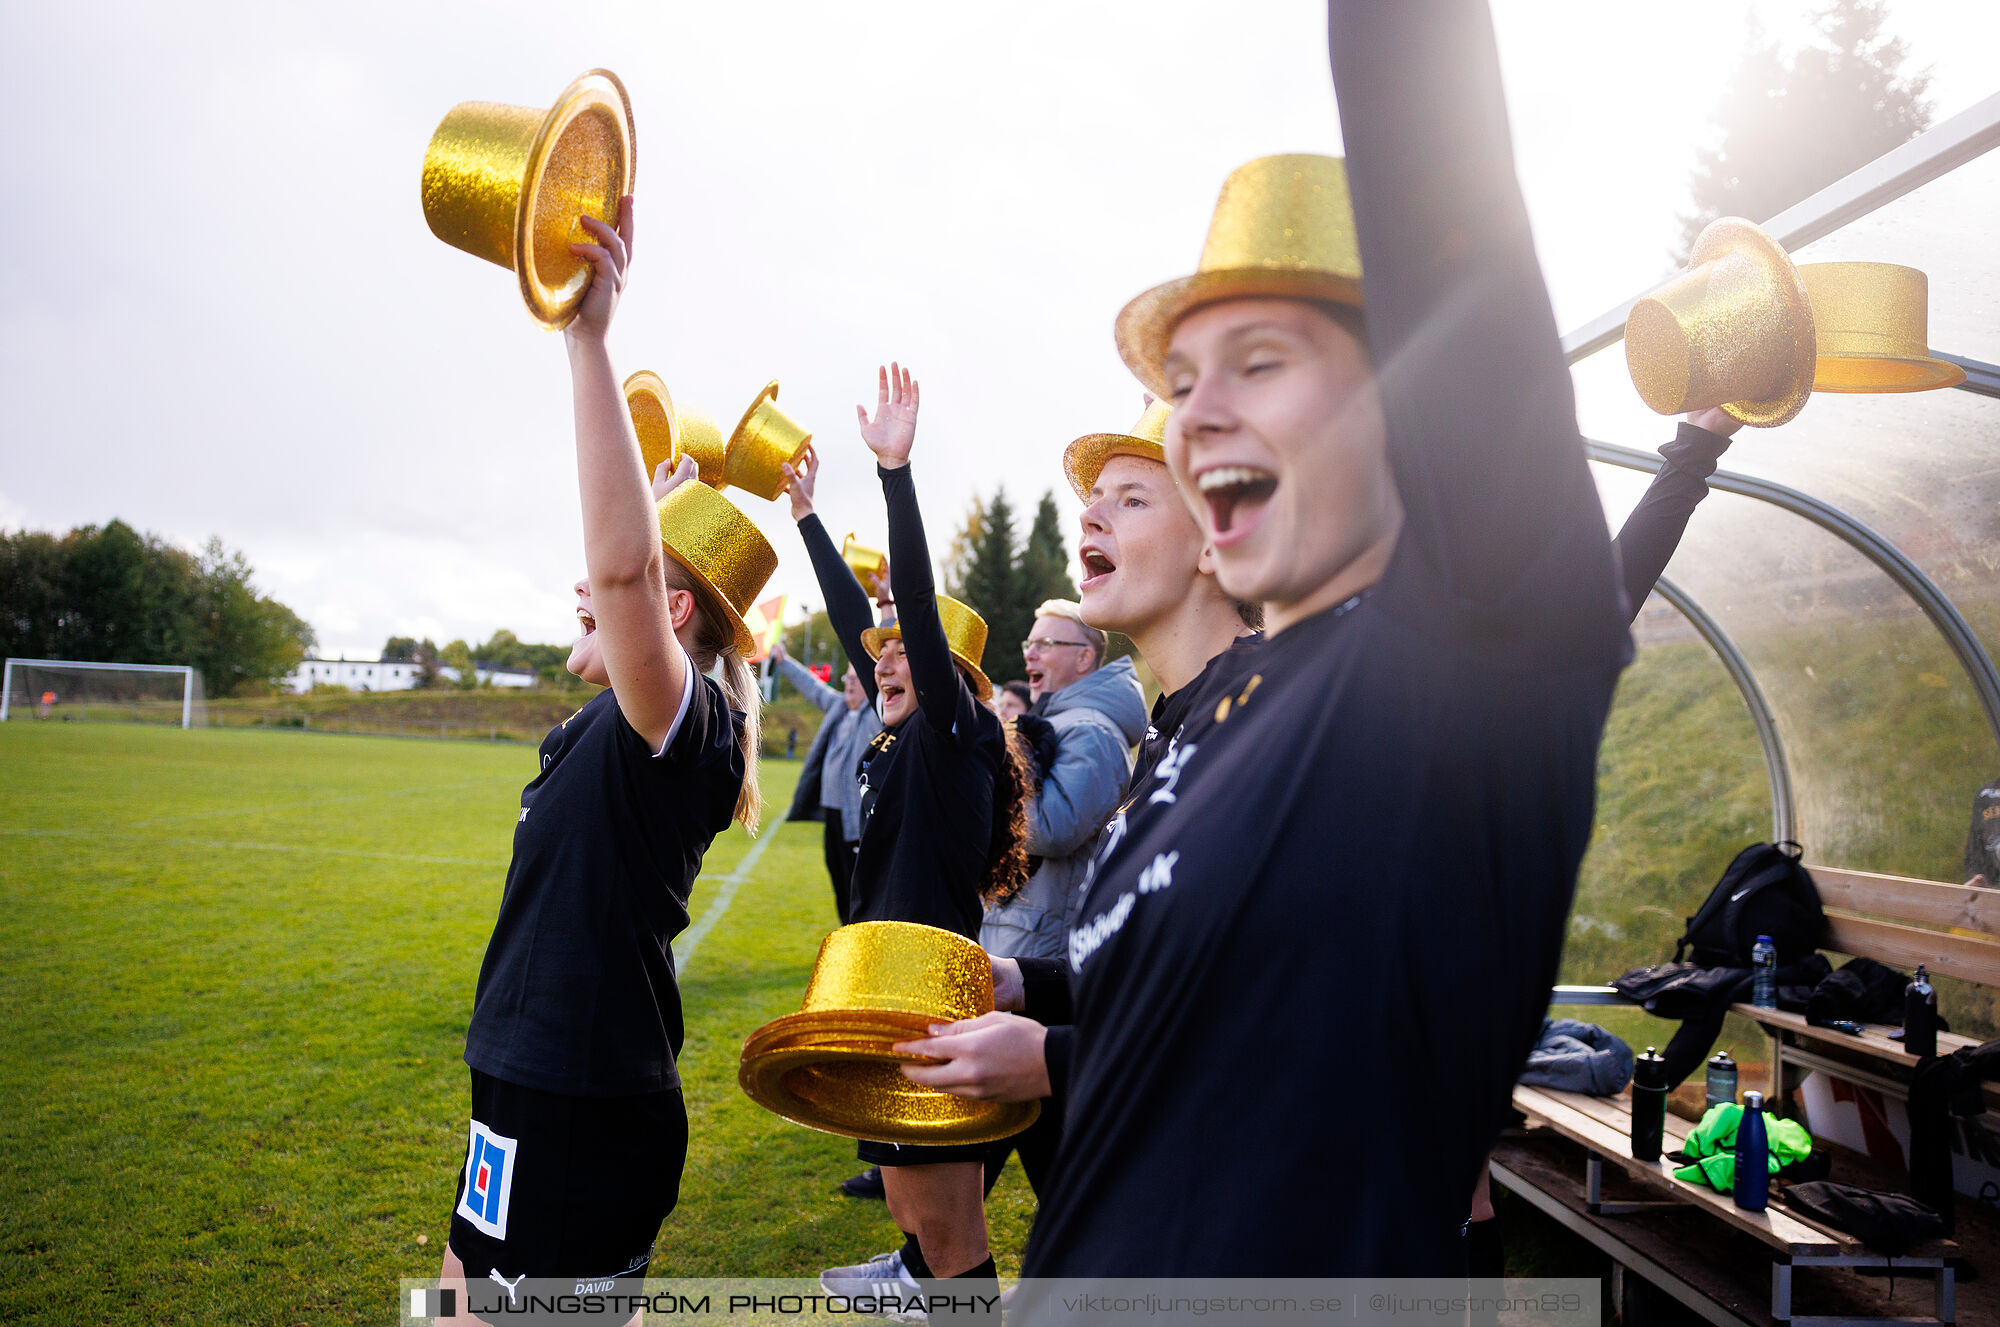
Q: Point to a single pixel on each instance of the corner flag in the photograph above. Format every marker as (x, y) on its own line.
(767, 625)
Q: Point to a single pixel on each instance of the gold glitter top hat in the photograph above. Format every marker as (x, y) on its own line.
(701, 438)
(765, 439)
(830, 1066)
(704, 532)
(1283, 226)
(964, 632)
(1083, 460)
(1734, 330)
(654, 420)
(863, 561)
(507, 184)
(1873, 321)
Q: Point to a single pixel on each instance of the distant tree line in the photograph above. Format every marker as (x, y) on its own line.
(108, 594)
(504, 650)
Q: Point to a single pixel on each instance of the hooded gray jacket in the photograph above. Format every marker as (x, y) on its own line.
(1097, 719)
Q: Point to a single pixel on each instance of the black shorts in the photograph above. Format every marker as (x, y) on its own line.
(923, 1154)
(561, 1186)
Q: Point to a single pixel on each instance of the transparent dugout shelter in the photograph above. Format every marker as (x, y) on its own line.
(1817, 663)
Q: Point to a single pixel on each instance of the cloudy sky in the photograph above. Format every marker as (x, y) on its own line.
(224, 314)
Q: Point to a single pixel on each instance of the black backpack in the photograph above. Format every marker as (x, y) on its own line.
(1765, 891)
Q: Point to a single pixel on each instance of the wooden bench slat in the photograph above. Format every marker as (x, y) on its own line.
(1901, 897)
(1874, 1038)
(1907, 946)
(1577, 1117)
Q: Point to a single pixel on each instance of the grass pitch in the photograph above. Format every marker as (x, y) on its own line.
(235, 973)
(236, 968)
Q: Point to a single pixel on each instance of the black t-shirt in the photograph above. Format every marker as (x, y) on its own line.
(1171, 711)
(1307, 977)
(928, 784)
(577, 991)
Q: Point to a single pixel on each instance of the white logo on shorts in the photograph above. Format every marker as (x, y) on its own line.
(489, 1180)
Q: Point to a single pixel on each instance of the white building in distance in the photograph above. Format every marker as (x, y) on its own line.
(389, 675)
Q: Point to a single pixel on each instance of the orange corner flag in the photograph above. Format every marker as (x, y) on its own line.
(767, 625)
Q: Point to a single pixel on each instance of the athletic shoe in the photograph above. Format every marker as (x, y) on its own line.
(868, 1184)
(883, 1276)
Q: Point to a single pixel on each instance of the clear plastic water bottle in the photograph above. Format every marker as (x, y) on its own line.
(1764, 973)
(1753, 1156)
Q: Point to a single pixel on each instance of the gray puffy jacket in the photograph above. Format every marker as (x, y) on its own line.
(1097, 719)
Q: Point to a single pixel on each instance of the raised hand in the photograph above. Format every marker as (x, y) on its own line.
(894, 428)
(1716, 420)
(668, 478)
(799, 482)
(612, 257)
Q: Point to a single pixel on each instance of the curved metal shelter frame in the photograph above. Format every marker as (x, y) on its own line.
(1868, 550)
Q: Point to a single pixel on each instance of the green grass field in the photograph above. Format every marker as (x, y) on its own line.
(235, 972)
(236, 967)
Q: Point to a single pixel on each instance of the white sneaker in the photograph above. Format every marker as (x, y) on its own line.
(882, 1278)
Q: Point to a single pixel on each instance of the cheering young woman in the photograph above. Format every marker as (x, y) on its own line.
(578, 1132)
(943, 813)
(1335, 947)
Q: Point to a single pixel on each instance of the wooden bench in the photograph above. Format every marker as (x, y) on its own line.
(1949, 929)
(1603, 1126)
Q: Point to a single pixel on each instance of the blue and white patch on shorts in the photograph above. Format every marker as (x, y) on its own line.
(489, 1181)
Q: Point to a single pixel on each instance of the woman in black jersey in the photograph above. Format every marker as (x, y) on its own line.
(578, 1132)
(1334, 945)
(943, 812)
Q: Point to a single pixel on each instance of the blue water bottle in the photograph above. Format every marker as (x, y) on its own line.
(1764, 973)
(1753, 1156)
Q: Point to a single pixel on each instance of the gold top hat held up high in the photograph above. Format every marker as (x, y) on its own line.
(765, 439)
(507, 184)
(862, 560)
(653, 420)
(1283, 226)
(1083, 460)
(704, 532)
(1734, 330)
(964, 633)
(1874, 329)
(829, 1066)
(668, 430)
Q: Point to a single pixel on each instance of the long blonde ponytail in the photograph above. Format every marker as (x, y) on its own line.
(739, 684)
(715, 643)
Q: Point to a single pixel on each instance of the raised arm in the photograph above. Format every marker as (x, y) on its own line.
(801, 677)
(1647, 540)
(846, 602)
(1503, 527)
(890, 435)
(646, 665)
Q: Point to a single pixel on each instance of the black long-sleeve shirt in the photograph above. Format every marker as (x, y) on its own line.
(927, 783)
(1653, 531)
(1327, 948)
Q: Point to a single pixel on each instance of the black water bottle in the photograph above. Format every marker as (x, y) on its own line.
(1920, 1015)
(1649, 1106)
(1753, 1156)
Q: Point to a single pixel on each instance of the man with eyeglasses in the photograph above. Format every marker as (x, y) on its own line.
(1097, 711)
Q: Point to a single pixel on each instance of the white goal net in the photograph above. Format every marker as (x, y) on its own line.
(68, 690)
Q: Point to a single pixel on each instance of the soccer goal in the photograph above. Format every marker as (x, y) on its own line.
(69, 689)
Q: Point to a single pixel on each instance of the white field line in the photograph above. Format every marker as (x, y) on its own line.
(692, 937)
(288, 849)
(320, 801)
(236, 845)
